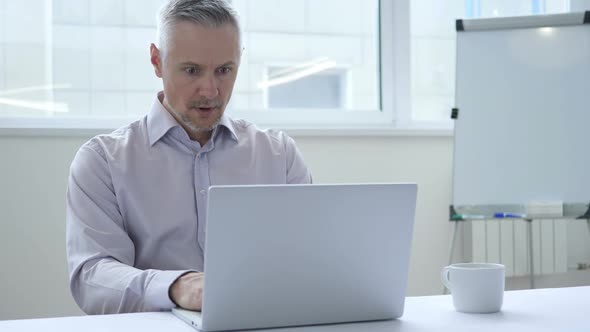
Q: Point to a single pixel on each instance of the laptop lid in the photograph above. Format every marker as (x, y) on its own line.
(290, 255)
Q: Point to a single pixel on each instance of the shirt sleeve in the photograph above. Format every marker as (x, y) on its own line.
(100, 252)
(297, 171)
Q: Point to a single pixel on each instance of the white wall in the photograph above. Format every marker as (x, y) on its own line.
(33, 174)
(33, 177)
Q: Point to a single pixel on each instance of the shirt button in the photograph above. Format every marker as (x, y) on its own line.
(203, 192)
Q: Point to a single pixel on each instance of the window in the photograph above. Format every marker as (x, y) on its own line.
(75, 63)
(308, 55)
(307, 63)
(87, 62)
(325, 89)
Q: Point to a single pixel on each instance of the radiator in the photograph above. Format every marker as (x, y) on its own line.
(505, 241)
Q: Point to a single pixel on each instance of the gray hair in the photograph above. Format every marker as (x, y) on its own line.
(207, 13)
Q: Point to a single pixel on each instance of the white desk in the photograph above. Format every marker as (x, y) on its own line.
(559, 309)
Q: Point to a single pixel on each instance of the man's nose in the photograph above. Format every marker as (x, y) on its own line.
(208, 87)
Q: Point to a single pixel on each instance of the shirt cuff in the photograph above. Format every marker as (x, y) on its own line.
(157, 292)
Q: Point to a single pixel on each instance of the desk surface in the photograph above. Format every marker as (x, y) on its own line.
(558, 309)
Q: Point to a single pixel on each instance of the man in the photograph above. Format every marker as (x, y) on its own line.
(136, 200)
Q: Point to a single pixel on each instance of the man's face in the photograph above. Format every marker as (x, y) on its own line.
(198, 67)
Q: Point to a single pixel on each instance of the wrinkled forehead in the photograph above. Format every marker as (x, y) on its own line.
(192, 42)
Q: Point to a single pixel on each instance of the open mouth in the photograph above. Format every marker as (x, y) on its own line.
(204, 109)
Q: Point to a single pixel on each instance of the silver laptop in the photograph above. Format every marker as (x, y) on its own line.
(293, 255)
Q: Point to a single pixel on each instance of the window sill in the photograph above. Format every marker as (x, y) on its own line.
(361, 131)
(368, 132)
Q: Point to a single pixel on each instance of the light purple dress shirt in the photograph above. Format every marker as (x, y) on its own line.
(136, 204)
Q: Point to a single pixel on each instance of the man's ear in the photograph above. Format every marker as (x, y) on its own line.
(156, 60)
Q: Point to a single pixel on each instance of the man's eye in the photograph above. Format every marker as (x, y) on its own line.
(224, 70)
(191, 70)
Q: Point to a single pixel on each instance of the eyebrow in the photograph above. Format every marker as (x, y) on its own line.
(189, 63)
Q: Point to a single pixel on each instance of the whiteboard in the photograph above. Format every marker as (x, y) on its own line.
(523, 96)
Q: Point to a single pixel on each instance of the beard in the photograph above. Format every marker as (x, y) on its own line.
(195, 128)
(195, 105)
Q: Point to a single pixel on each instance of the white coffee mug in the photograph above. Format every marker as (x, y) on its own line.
(475, 287)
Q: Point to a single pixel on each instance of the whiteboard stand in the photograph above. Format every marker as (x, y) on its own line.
(531, 260)
(452, 250)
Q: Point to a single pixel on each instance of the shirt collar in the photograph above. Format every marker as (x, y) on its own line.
(227, 122)
(160, 121)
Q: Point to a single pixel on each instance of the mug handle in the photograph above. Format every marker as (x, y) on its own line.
(444, 277)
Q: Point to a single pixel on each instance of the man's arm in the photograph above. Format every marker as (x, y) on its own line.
(100, 253)
(297, 171)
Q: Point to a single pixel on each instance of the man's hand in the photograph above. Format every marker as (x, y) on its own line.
(187, 291)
